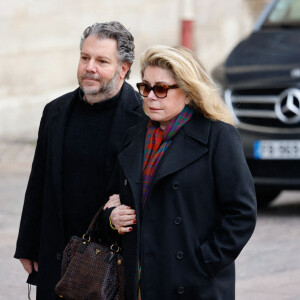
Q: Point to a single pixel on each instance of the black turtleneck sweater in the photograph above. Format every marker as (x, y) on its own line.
(85, 143)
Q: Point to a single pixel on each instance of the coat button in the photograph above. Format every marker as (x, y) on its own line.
(176, 185)
(180, 290)
(179, 255)
(58, 256)
(125, 182)
(178, 220)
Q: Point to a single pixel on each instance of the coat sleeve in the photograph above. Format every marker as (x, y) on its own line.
(103, 228)
(235, 199)
(30, 225)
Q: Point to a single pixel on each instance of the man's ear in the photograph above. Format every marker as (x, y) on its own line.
(124, 69)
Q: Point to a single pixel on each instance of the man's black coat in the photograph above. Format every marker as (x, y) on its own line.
(41, 235)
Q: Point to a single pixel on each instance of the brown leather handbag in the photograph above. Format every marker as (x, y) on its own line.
(91, 270)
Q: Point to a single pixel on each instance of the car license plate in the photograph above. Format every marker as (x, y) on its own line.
(277, 149)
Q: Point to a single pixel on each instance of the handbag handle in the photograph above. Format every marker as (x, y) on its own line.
(114, 248)
(92, 224)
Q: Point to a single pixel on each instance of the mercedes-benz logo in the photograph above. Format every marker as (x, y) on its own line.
(287, 107)
(295, 73)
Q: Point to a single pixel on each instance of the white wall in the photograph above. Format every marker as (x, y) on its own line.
(39, 45)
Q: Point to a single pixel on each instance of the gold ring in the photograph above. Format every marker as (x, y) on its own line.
(120, 230)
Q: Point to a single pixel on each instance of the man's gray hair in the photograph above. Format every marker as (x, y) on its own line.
(113, 30)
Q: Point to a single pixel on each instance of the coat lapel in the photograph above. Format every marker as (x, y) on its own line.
(128, 113)
(131, 161)
(188, 145)
(58, 125)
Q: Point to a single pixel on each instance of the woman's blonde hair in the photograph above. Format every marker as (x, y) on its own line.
(191, 77)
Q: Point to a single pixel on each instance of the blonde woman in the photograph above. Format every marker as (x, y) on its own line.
(187, 201)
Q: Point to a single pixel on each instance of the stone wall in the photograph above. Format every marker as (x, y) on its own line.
(39, 44)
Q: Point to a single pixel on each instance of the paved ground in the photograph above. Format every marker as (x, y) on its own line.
(267, 269)
(15, 163)
(269, 266)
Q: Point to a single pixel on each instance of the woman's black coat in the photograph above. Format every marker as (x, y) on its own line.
(200, 213)
(41, 234)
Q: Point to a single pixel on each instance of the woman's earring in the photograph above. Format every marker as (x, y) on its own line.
(187, 100)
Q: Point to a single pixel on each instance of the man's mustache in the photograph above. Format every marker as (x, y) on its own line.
(90, 76)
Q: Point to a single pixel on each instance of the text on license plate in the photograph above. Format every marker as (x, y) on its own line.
(277, 149)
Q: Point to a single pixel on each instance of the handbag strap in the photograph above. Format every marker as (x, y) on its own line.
(91, 228)
(93, 223)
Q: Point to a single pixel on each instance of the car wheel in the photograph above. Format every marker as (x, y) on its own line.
(265, 196)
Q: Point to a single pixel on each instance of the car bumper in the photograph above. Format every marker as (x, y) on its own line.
(276, 173)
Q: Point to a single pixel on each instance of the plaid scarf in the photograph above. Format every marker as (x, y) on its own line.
(156, 143)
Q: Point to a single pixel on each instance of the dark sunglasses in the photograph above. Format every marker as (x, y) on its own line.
(160, 90)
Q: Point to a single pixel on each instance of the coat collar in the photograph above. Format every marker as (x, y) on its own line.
(128, 113)
(189, 144)
(198, 128)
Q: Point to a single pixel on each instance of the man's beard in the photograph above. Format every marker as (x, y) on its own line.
(105, 90)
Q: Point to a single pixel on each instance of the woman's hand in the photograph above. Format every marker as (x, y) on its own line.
(122, 217)
(114, 200)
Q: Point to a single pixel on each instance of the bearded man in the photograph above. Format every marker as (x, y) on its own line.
(79, 138)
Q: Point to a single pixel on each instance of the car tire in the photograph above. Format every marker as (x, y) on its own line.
(265, 196)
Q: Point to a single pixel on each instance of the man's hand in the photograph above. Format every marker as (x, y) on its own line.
(27, 265)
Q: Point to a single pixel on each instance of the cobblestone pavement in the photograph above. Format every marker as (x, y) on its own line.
(267, 269)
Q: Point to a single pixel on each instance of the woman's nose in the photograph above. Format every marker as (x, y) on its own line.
(152, 95)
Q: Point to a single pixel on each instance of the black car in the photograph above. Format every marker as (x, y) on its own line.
(261, 84)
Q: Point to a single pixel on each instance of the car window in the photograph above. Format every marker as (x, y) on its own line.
(286, 13)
